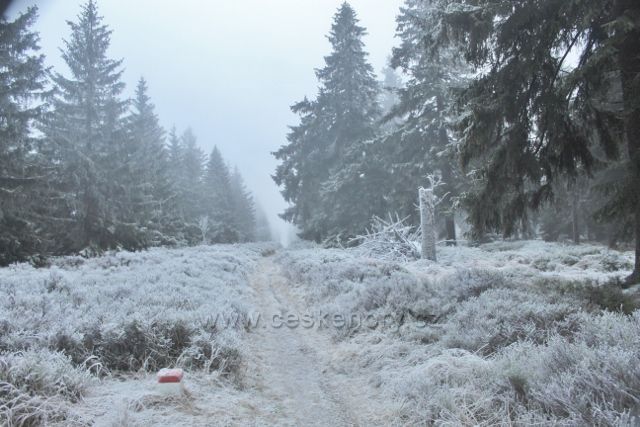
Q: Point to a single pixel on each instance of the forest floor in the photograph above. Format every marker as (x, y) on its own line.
(511, 333)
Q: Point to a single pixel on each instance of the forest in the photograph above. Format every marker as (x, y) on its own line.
(521, 116)
(86, 167)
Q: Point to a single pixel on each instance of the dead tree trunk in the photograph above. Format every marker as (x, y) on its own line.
(427, 224)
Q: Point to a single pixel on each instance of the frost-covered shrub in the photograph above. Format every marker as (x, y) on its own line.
(612, 261)
(136, 345)
(510, 333)
(338, 283)
(500, 317)
(592, 378)
(449, 388)
(45, 373)
(35, 386)
(122, 312)
(589, 378)
(391, 239)
(21, 409)
(611, 298)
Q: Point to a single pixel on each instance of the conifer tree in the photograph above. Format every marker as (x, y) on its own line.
(343, 114)
(421, 144)
(85, 134)
(531, 116)
(150, 187)
(175, 157)
(218, 199)
(191, 173)
(23, 173)
(242, 208)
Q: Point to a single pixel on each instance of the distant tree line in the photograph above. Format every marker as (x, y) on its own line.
(523, 116)
(84, 169)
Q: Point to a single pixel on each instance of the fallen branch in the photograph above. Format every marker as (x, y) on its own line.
(390, 239)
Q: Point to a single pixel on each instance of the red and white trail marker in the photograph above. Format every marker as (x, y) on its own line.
(170, 380)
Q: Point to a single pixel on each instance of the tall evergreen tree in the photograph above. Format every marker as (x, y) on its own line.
(343, 114)
(150, 187)
(421, 145)
(22, 174)
(85, 133)
(218, 199)
(531, 116)
(175, 157)
(242, 208)
(192, 172)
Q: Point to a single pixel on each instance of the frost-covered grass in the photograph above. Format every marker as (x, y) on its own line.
(63, 328)
(510, 333)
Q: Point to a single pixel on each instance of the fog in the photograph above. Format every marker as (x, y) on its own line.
(228, 69)
(468, 224)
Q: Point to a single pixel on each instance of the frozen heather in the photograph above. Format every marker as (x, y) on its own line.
(508, 333)
(66, 327)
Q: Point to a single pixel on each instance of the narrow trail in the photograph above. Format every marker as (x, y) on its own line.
(289, 379)
(286, 365)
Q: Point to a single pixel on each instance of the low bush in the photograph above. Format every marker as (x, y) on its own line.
(34, 386)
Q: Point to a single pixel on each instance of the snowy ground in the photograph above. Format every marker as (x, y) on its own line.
(94, 330)
(524, 333)
(512, 333)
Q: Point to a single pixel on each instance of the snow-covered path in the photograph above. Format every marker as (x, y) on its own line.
(286, 366)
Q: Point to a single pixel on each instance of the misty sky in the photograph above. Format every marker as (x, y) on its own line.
(229, 69)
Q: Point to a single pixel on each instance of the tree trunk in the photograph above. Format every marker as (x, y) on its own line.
(630, 71)
(575, 220)
(635, 276)
(427, 223)
(451, 230)
(447, 175)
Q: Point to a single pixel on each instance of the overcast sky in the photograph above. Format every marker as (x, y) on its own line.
(229, 69)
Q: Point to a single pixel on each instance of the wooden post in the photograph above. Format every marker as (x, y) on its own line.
(427, 223)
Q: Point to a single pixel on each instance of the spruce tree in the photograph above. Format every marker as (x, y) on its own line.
(23, 172)
(556, 79)
(191, 178)
(219, 200)
(150, 187)
(242, 208)
(421, 144)
(342, 115)
(85, 134)
(175, 158)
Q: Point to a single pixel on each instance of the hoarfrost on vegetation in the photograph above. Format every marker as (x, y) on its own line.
(502, 334)
(63, 327)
